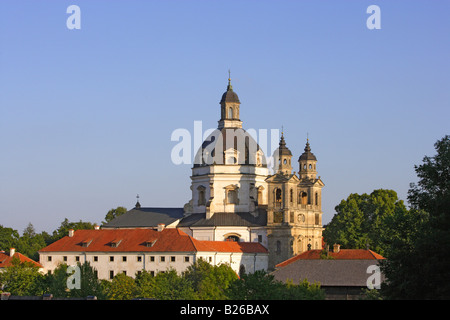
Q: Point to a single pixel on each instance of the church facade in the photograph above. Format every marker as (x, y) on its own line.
(236, 198)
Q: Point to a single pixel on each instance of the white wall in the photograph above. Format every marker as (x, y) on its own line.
(103, 265)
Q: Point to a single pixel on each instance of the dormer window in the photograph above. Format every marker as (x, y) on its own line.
(150, 243)
(86, 243)
(115, 243)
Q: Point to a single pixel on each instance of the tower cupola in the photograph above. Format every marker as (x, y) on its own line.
(229, 108)
(307, 163)
(284, 157)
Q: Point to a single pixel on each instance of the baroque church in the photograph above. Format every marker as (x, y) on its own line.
(236, 198)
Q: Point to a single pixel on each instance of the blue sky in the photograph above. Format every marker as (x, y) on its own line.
(86, 116)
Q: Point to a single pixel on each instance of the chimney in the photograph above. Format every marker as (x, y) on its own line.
(11, 252)
(336, 248)
(71, 231)
(96, 227)
(161, 226)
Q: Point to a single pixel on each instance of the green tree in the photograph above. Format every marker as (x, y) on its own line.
(8, 238)
(22, 279)
(146, 285)
(66, 225)
(122, 287)
(56, 282)
(418, 267)
(302, 291)
(262, 286)
(30, 243)
(114, 213)
(255, 286)
(170, 285)
(89, 283)
(360, 220)
(210, 282)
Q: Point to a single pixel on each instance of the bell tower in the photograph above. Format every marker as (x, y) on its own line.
(294, 213)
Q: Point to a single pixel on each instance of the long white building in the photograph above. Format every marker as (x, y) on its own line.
(130, 251)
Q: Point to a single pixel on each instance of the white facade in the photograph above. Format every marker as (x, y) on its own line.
(109, 264)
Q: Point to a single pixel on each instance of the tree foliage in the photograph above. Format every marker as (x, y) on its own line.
(418, 263)
(114, 213)
(362, 220)
(210, 282)
(22, 279)
(262, 286)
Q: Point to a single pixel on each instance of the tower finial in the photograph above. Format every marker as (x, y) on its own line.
(230, 87)
(138, 205)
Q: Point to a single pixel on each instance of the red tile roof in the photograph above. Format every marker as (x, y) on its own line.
(6, 259)
(141, 240)
(343, 254)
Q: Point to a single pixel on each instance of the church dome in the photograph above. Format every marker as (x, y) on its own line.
(307, 155)
(230, 96)
(230, 146)
(282, 149)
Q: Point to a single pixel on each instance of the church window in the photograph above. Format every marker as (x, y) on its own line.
(304, 197)
(304, 166)
(260, 195)
(230, 113)
(317, 199)
(285, 161)
(232, 197)
(310, 166)
(317, 219)
(201, 196)
(291, 195)
(278, 195)
(232, 238)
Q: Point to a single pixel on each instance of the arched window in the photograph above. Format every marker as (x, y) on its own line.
(201, 198)
(278, 195)
(230, 113)
(304, 196)
(232, 238)
(260, 195)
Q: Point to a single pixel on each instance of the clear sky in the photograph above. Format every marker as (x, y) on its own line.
(86, 115)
